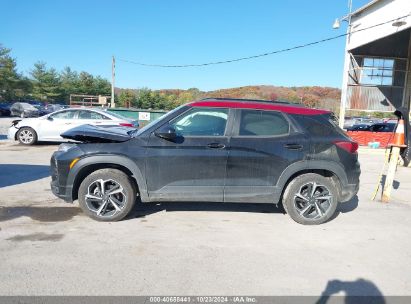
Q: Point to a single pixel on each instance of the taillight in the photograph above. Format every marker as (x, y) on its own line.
(349, 146)
(126, 124)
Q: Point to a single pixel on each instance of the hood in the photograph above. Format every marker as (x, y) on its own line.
(100, 134)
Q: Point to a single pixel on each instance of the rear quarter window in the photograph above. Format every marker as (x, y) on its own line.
(320, 125)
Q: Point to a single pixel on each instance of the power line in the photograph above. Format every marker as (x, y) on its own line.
(263, 54)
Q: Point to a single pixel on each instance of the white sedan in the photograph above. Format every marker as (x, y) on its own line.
(49, 127)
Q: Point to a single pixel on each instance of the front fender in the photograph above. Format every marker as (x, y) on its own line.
(123, 161)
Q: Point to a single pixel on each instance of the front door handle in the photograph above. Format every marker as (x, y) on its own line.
(216, 146)
(293, 146)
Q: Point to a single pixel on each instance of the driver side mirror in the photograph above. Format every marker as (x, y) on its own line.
(166, 132)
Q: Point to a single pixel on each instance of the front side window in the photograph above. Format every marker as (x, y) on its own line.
(201, 122)
(64, 115)
(263, 123)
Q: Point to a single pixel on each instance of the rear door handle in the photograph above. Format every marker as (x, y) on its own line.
(216, 146)
(293, 146)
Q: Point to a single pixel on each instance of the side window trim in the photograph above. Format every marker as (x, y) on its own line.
(237, 125)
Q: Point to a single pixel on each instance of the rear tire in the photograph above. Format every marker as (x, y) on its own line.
(107, 195)
(27, 136)
(310, 199)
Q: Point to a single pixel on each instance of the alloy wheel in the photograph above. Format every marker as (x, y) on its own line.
(313, 200)
(105, 198)
(26, 136)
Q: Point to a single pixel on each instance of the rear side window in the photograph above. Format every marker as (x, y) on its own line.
(90, 115)
(320, 125)
(263, 123)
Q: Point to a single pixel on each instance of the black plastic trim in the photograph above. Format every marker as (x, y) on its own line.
(109, 159)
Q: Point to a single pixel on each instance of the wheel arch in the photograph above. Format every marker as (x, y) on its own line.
(87, 165)
(26, 127)
(329, 169)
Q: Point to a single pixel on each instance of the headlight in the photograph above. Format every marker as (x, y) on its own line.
(65, 147)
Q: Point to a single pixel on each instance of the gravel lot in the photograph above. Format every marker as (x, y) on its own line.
(48, 247)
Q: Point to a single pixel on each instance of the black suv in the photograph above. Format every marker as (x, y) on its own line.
(212, 150)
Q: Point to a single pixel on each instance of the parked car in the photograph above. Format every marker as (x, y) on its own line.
(378, 127)
(382, 127)
(390, 120)
(359, 127)
(350, 122)
(42, 110)
(49, 127)
(36, 103)
(23, 109)
(50, 108)
(5, 109)
(215, 151)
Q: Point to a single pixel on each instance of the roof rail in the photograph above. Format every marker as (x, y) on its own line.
(252, 100)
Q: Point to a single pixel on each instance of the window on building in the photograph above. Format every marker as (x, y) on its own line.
(377, 71)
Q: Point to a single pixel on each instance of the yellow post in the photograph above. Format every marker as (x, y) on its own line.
(389, 179)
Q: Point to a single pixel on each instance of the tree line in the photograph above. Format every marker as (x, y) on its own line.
(45, 83)
(168, 99)
(159, 100)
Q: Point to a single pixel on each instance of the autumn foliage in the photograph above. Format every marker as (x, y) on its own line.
(319, 97)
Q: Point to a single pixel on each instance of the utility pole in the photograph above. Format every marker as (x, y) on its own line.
(113, 77)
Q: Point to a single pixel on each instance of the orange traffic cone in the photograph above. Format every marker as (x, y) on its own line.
(399, 136)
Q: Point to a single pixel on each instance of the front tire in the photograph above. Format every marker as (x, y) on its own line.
(27, 136)
(310, 199)
(107, 195)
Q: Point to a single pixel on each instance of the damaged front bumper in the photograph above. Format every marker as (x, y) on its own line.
(60, 190)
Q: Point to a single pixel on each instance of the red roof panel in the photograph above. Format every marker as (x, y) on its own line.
(258, 106)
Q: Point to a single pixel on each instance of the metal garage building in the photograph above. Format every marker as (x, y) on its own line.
(377, 64)
(376, 76)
